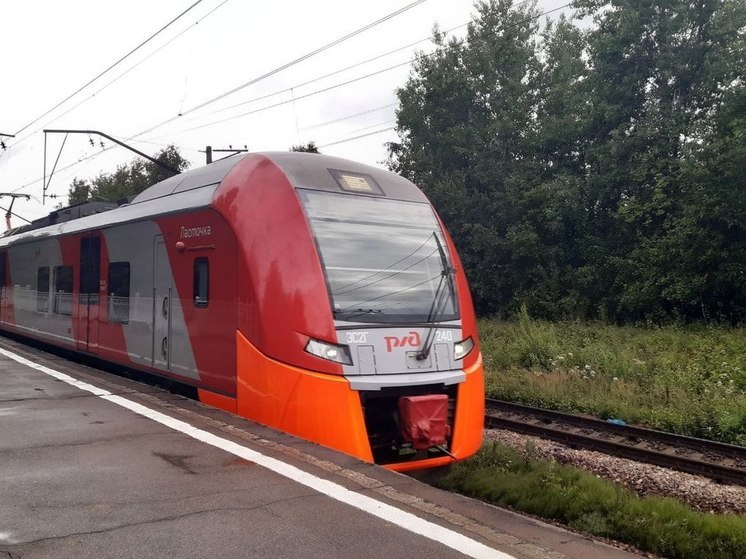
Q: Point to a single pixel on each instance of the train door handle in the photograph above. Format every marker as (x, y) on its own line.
(164, 307)
(164, 347)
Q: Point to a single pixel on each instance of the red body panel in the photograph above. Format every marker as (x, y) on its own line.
(278, 269)
(466, 306)
(211, 329)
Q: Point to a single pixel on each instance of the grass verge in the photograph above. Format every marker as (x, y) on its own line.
(501, 476)
(689, 380)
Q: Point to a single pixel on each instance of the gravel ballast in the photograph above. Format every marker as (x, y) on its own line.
(644, 479)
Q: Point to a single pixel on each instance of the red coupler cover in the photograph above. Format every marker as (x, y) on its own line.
(424, 420)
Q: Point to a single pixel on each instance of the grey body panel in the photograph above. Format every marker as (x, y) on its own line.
(386, 356)
(172, 350)
(132, 243)
(162, 300)
(199, 178)
(310, 170)
(128, 243)
(24, 265)
(180, 202)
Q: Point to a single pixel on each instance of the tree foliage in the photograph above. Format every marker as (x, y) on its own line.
(128, 180)
(589, 172)
(310, 147)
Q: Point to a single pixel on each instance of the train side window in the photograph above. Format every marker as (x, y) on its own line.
(119, 292)
(42, 289)
(63, 289)
(201, 282)
(90, 272)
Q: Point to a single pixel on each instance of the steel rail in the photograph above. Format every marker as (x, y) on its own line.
(723, 462)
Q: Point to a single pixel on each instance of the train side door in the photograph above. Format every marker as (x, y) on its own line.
(3, 281)
(162, 290)
(88, 294)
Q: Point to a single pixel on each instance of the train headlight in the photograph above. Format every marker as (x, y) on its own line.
(330, 352)
(463, 348)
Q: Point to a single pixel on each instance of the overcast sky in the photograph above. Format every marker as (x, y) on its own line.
(51, 48)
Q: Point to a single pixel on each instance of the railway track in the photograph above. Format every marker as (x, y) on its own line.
(722, 462)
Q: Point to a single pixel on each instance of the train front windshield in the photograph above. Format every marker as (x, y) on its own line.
(385, 260)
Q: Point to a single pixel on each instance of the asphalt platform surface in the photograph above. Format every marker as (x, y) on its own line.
(116, 468)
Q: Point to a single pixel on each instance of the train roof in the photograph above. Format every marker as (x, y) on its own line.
(195, 189)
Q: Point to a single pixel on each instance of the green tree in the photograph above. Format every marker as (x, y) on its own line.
(310, 147)
(128, 179)
(470, 137)
(79, 192)
(661, 72)
(591, 172)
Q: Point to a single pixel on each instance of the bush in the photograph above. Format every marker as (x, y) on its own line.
(689, 380)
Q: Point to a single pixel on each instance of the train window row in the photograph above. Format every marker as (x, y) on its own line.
(118, 292)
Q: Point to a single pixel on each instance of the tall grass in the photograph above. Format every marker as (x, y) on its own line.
(690, 380)
(584, 502)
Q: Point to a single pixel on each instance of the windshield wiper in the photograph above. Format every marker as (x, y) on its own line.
(446, 280)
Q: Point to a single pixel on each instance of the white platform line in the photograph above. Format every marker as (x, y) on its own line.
(396, 516)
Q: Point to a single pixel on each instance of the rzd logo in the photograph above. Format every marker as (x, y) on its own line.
(411, 339)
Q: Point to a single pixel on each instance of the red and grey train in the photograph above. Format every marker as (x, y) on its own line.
(309, 293)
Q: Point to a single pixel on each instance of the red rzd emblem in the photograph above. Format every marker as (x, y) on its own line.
(411, 339)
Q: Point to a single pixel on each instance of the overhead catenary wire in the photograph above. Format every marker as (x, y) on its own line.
(66, 167)
(348, 117)
(335, 72)
(134, 138)
(358, 130)
(287, 65)
(289, 89)
(335, 86)
(358, 137)
(111, 67)
(288, 101)
(123, 74)
(334, 43)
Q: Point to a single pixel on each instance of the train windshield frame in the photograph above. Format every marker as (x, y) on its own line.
(384, 259)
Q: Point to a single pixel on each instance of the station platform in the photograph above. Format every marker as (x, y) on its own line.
(93, 465)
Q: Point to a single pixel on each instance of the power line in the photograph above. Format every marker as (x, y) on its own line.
(341, 70)
(348, 117)
(287, 65)
(120, 76)
(389, 16)
(131, 138)
(287, 101)
(111, 66)
(255, 111)
(389, 121)
(73, 164)
(358, 137)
